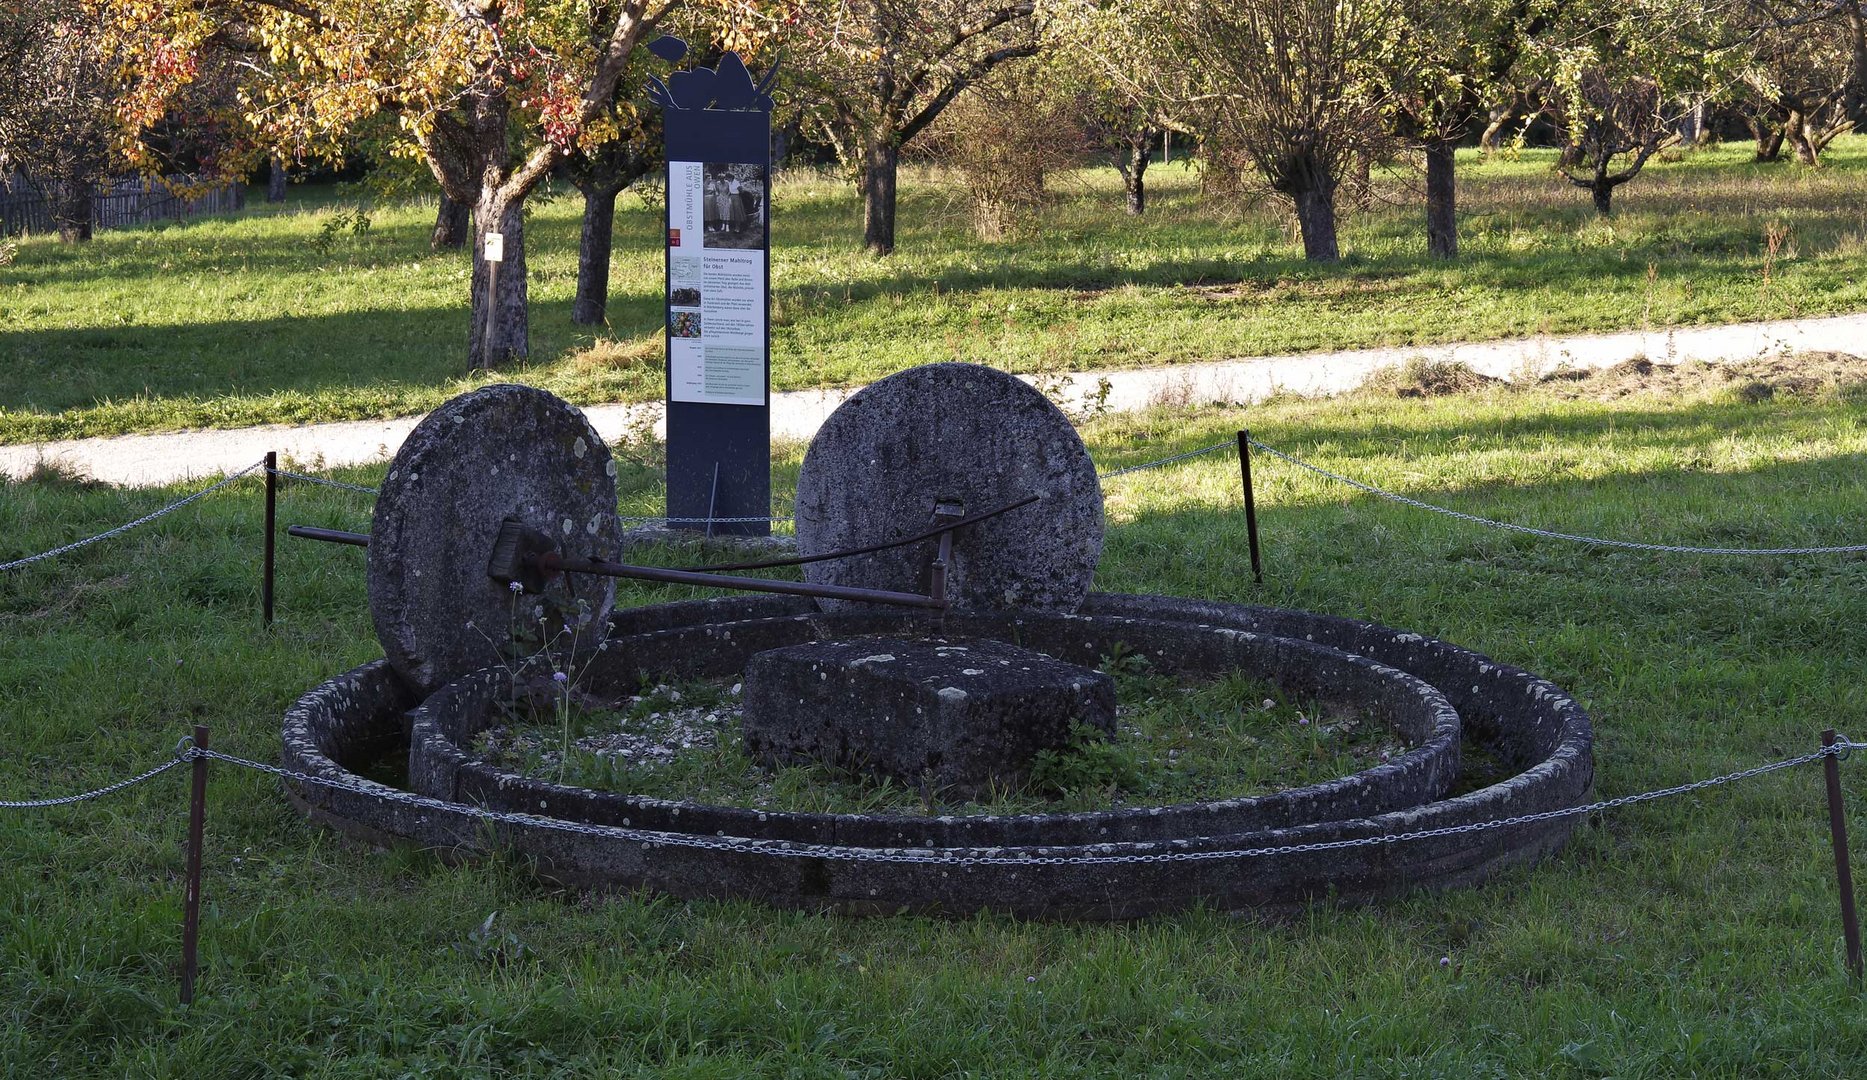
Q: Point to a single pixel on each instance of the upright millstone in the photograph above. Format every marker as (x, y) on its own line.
(500, 451)
(962, 439)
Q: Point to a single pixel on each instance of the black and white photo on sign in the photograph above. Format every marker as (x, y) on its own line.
(734, 205)
(684, 296)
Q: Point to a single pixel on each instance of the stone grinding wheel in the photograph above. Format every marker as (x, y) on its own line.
(497, 451)
(953, 432)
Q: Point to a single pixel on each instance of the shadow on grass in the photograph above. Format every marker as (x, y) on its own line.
(1184, 259)
(317, 356)
(1699, 636)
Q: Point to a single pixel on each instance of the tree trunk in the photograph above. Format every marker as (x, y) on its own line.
(1796, 129)
(1692, 125)
(1442, 227)
(275, 181)
(878, 196)
(1603, 193)
(71, 208)
(1134, 169)
(451, 225)
(1769, 137)
(1316, 220)
(1854, 98)
(1361, 181)
(1493, 138)
(599, 226)
(500, 325)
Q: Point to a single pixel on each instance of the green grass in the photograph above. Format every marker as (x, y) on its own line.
(250, 320)
(1693, 936)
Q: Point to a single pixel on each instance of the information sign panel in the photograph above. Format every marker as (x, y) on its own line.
(718, 130)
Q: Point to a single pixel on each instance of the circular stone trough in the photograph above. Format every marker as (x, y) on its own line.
(1112, 864)
(444, 726)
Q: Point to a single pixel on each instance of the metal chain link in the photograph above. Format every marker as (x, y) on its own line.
(622, 517)
(121, 529)
(1631, 545)
(1166, 460)
(112, 789)
(662, 519)
(700, 520)
(323, 481)
(997, 856)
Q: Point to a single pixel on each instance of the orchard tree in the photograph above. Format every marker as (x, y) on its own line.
(1005, 136)
(1798, 81)
(876, 73)
(599, 174)
(55, 106)
(1452, 57)
(1296, 86)
(1619, 90)
(491, 95)
(1617, 122)
(1131, 91)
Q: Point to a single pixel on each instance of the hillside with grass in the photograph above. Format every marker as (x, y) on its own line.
(301, 315)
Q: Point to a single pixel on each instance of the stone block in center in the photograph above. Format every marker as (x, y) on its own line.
(964, 717)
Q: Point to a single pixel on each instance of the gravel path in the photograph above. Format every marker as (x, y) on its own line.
(141, 460)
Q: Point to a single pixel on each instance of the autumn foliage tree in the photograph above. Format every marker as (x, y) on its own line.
(491, 95)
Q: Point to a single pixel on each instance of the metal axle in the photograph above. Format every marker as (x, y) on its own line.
(553, 563)
(545, 564)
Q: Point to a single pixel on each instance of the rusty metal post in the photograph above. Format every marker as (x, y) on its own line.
(272, 518)
(191, 898)
(1844, 873)
(937, 580)
(946, 512)
(1251, 505)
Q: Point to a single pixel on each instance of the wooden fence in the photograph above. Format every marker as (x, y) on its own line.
(23, 209)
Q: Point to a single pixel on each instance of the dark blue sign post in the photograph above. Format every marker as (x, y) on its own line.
(718, 130)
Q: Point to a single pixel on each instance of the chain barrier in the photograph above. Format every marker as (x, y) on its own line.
(1166, 460)
(183, 755)
(637, 518)
(1629, 545)
(126, 527)
(322, 481)
(640, 519)
(983, 856)
(186, 752)
(644, 518)
(658, 518)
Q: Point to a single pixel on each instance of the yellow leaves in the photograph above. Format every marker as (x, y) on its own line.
(306, 85)
(597, 132)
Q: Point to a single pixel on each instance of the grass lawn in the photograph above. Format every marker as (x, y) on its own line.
(1692, 936)
(264, 318)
